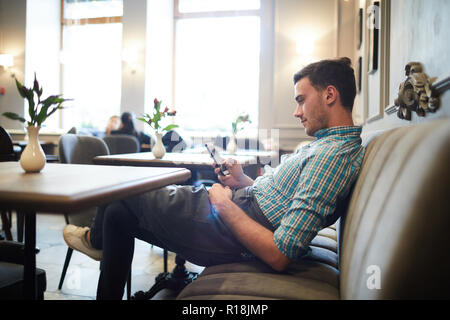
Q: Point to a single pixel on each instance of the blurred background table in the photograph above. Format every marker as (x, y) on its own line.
(195, 162)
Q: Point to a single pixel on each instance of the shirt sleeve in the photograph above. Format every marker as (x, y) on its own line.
(323, 178)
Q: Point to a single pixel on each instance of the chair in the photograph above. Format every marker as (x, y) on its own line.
(81, 150)
(8, 152)
(72, 130)
(121, 143)
(11, 272)
(173, 142)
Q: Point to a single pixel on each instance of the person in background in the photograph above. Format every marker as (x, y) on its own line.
(127, 127)
(113, 124)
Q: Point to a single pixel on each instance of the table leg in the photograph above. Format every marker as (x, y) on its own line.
(30, 287)
(175, 281)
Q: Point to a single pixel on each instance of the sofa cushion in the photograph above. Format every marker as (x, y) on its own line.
(324, 242)
(255, 280)
(314, 277)
(397, 222)
(329, 233)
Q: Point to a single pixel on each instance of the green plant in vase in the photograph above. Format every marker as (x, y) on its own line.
(153, 120)
(237, 126)
(33, 158)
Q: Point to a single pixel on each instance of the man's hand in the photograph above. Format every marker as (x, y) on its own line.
(256, 238)
(237, 178)
(220, 197)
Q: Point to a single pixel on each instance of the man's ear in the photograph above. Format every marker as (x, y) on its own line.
(331, 95)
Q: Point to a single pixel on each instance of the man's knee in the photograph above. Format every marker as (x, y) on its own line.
(117, 215)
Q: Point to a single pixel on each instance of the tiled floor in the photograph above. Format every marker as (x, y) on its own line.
(82, 275)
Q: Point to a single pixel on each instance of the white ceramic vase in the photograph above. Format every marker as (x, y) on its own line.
(33, 158)
(232, 146)
(158, 149)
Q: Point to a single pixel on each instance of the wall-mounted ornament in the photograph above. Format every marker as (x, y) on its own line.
(416, 94)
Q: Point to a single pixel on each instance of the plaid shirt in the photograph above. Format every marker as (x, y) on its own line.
(299, 196)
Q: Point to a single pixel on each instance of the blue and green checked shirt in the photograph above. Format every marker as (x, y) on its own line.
(299, 196)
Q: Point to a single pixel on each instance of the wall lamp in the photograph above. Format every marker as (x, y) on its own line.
(130, 55)
(305, 47)
(6, 60)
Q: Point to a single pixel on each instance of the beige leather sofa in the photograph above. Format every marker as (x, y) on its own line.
(393, 241)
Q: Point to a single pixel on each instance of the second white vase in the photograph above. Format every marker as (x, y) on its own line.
(232, 146)
(158, 149)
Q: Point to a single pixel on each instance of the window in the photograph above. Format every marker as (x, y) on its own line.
(91, 59)
(217, 57)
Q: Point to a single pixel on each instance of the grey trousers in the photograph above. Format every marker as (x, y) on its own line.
(177, 218)
(181, 220)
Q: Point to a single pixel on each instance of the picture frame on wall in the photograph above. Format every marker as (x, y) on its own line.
(373, 38)
(359, 28)
(359, 75)
(377, 98)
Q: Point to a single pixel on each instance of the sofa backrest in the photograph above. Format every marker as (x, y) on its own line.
(395, 237)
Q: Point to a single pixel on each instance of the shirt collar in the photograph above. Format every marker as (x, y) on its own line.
(347, 131)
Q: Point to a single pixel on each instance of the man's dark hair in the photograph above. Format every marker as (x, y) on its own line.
(337, 73)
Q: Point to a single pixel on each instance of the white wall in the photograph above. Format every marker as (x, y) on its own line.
(298, 20)
(133, 41)
(418, 32)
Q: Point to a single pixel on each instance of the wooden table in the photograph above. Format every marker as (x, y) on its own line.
(191, 161)
(263, 157)
(60, 188)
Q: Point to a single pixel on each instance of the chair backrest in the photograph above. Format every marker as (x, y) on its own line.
(173, 142)
(72, 130)
(80, 149)
(121, 143)
(6, 146)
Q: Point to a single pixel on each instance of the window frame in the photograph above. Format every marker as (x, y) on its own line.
(214, 14)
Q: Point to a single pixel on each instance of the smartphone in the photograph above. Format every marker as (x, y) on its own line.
(217, 159)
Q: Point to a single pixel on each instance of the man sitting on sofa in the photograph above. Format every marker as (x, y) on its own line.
(273, 218)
